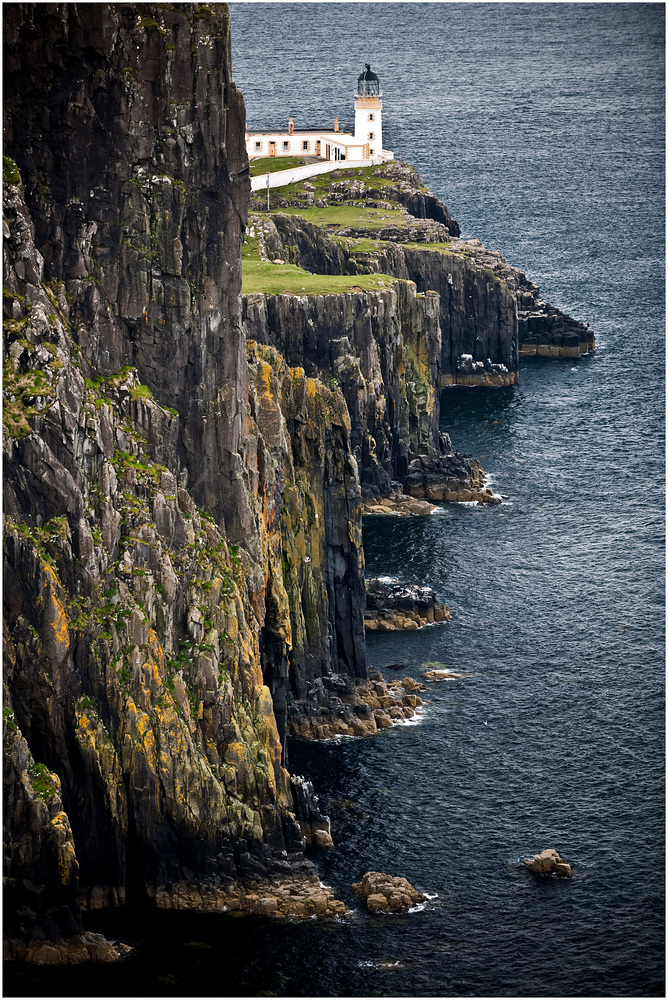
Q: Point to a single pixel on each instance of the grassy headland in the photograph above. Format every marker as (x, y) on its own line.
(363, 200)
(276, 279)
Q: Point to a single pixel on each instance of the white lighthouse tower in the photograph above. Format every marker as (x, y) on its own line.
(368, 112)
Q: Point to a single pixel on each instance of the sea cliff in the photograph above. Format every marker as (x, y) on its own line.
(186, 468)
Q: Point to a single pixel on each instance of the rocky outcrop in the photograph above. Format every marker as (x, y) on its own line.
(387, 893)
(297, 896)
(399, 505)
(542, 329)
(391, 606)
(548, 862)
(342, 708)
(490, 313)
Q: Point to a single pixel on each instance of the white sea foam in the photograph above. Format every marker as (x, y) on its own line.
(340, 736)
(417, 719)
(379, 963)
(419, 907)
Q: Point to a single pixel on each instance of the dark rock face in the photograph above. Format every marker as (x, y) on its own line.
(182, 547)
(308, 487)
(129, 137)
(383, 349)
(315, 826)
(366, 341)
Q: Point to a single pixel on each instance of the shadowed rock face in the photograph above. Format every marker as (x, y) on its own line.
(383, 350)
(128, 134)
(182, 548)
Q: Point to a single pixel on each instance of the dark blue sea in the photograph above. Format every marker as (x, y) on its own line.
(541, 127)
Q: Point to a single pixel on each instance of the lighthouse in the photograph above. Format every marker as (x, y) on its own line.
(361, 149)
(368, 112)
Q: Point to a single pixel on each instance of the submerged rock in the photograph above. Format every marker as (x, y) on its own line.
(548, 862)
(440, 672)
(387, 893)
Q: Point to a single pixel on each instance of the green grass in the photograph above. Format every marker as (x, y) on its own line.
(42, 783)
(353, 216)
(140, 392)
(276, 279)
(373, 177)
(271, 164)
(354, 245)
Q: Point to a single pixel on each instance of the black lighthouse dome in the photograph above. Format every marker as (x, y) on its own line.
(368, 84)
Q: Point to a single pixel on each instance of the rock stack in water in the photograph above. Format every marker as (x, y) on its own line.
(386, 893)
(548, 862)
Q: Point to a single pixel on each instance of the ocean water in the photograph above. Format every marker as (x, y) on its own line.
(541, 127)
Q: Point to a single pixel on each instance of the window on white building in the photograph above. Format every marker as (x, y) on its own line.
(372, 135)
(372, 152)
(286, 147)
(305, 144)
(371, 117)
(258, 147)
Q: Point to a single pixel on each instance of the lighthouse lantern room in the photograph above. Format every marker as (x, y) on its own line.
(369, 111)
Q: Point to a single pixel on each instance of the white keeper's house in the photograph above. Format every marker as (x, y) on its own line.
(365, 144)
